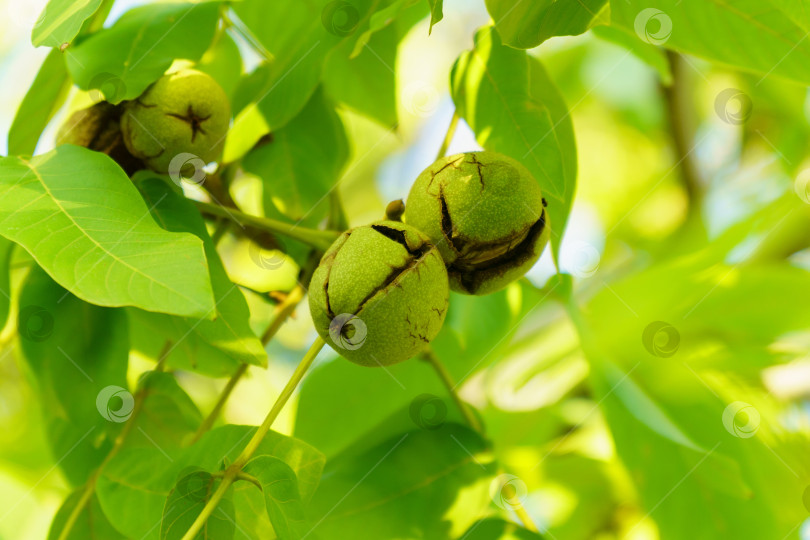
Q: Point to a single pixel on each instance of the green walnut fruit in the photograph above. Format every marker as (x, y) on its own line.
(485, 213)
(379, 294)
(184, 114)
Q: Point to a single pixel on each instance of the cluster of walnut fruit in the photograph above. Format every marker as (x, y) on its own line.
(473, 222)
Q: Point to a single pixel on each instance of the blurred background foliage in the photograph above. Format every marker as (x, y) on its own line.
(688, 250)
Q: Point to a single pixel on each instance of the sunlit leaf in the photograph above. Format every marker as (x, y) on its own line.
(61, 21)
(46, 95)
(81, 218)
(525, 25)
(721, 31)
(436, 13)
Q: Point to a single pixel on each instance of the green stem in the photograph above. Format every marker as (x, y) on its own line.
(233, 471)
(315, 238)
(524, 517)
(283, 311)
(451, 131)
(220, 230)
(90, 486)
(448, 382)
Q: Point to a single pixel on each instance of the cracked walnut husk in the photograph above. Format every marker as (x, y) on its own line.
(485, 213)
(380, 294)
(185, 112)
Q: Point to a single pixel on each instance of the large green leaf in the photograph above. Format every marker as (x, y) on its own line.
(513, 108)
(406, 483)
(303, 160)
(135, 484)
(215, 347)
(61, 21)
(74, 349)
(525, 25)
(46, 94)
(81, 218)
(91, 524)
(747, 34)
(123, 60)
(281, 496)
